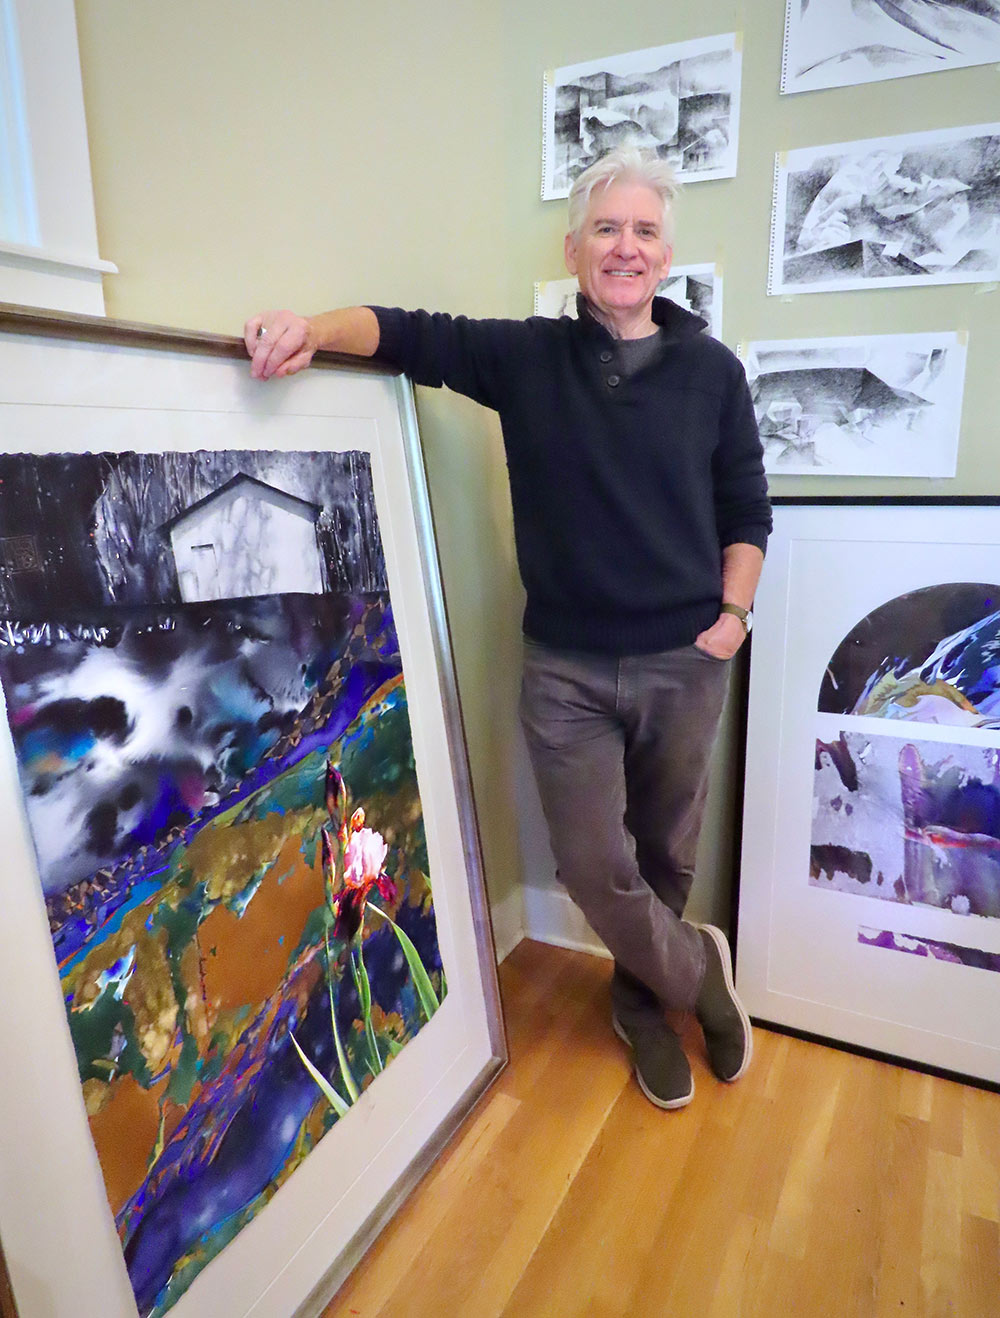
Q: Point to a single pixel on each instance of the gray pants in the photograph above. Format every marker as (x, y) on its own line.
(620, 750)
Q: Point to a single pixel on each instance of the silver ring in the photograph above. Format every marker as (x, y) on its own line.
(261, 331)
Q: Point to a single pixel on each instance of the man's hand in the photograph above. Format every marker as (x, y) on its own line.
(723, 638)
(279, 343)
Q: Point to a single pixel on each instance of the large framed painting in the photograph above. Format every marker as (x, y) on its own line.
(869, 907)
(247, 973)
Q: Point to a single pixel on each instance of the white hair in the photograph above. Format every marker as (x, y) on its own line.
(625, 164)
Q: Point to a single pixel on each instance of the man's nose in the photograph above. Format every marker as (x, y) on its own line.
(627, 245)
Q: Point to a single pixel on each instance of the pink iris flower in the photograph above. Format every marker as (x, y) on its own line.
(364, 855)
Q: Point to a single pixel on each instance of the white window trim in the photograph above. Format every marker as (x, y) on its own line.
(51, 258)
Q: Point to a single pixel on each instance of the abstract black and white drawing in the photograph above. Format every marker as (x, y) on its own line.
(696, 288)
(878, 405)
(890, 212)
(838, 43)
(680, 100)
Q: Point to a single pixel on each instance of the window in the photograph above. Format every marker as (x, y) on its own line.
(48, 234)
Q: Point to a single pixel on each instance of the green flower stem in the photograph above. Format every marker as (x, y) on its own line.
(421, 979)
(345, 1071)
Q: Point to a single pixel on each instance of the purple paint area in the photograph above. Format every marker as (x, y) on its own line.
(239, 1134)
(906, 821)
(249, 1106)
(938, 951)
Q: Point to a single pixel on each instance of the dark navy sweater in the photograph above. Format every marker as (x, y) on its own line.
(625, 489)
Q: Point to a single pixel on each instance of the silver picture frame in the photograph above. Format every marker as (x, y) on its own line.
(77, 384)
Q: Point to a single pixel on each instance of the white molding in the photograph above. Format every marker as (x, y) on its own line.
(507, 916)
(54, 262)
(63, 260)
(550, 916)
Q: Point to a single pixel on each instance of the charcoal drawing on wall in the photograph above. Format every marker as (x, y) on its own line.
(879, 405)
(923, 208)
(838, 43)
(681, 101)
(696, 288)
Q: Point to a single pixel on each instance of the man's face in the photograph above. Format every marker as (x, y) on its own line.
(620, 255)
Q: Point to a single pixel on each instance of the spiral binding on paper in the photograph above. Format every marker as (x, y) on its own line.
(772, 255)
(548, 103)
(784, 46)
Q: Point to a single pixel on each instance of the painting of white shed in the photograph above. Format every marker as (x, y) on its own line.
(246, 538)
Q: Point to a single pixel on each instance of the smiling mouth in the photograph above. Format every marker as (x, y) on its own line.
(623, 274)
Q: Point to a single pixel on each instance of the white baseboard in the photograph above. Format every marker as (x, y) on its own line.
(547, 915)
(507, 916)
(550, 916)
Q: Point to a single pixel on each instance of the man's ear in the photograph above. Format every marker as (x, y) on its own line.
(668, 262)
(569, 252)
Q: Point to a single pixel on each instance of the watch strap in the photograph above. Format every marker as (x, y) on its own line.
(737, 611)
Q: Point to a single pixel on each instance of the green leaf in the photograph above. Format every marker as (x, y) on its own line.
(329, 1093)
(421, 979)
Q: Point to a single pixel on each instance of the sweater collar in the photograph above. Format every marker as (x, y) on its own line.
(666, 315)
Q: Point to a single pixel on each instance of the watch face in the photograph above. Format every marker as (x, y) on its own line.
(748, 621)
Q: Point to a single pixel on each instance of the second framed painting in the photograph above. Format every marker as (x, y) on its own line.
(870, 884)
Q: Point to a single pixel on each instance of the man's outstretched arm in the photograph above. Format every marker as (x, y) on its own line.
(281, 343)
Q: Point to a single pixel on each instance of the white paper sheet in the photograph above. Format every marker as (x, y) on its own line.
(891, 212)
(838, 43)
(682, 100)
(696, 288)
(874, 405)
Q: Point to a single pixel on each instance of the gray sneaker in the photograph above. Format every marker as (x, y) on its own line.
(723, 1019)
(661, 1068)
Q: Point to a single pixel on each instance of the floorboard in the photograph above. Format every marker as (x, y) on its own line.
(820, 1185)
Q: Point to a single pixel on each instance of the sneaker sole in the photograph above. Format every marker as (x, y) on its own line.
(668, 1105)
(722, 943)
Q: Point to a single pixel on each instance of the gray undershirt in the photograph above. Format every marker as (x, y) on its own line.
(634, 354)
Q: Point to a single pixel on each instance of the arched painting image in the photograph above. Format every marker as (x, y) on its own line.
(898, 815)
(930, 656)
(207, 703)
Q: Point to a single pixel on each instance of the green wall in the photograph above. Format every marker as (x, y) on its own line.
(320, 153)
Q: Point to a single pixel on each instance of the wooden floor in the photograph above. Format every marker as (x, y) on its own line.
(819, 1184)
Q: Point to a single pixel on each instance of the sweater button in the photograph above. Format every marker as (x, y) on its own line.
(614, 381)
(606, 356)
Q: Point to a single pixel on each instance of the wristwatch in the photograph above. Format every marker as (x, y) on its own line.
(745, 616)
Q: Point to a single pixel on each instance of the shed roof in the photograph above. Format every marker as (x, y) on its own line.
(314, 509)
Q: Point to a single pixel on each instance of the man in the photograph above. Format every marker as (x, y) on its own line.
(640, 521)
